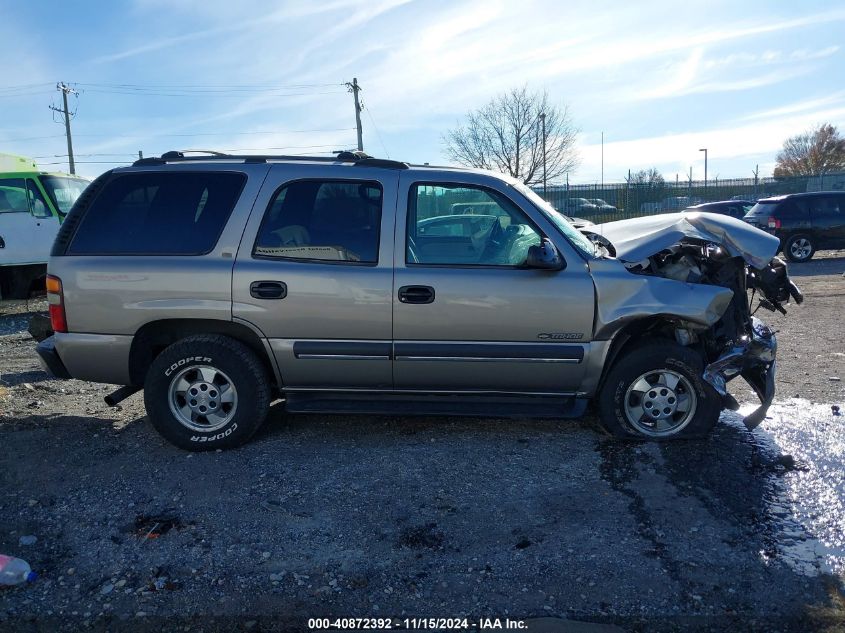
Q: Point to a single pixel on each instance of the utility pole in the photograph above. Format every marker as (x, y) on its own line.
(65, 89)
(602, 160)
(140, 155)
(704, 149)
(354, 88)
(756, 180)
(543, 122)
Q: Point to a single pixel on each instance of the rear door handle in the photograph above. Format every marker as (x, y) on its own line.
(268, 289)
(416, 294)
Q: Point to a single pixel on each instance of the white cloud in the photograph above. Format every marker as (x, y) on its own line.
(677, 152)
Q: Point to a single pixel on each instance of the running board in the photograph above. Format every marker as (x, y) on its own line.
(492, 406)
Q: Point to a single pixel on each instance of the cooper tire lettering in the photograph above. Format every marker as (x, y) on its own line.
(184, 361)
(217, 436)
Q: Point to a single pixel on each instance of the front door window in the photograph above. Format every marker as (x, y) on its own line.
(462, 225)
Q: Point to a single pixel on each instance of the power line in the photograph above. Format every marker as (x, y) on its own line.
(200, 94)
(31, 138)
(25, 94)
(202, 87)
(336, 129)
(84, 155)
(262, 149)
(378, 134)
(25, 86)
(182, 135)
(92, 162)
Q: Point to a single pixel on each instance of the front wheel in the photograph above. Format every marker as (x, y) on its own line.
(207, 392)
(656, 392)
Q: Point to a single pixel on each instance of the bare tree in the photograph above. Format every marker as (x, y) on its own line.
(817, 151)
(506, 135)
(648, 177)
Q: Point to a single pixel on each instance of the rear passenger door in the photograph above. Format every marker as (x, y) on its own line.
(314, 273)
(828, 217)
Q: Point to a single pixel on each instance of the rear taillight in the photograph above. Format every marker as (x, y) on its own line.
(773, 223)
(56, 301)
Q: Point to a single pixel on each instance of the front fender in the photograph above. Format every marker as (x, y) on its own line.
(622, 297)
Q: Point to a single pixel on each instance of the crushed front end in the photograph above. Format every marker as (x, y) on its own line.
(725, 254)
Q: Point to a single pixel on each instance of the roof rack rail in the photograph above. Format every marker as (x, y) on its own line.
(356, 158)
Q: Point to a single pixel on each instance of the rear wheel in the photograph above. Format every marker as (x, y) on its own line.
(207, 392)
(656, 392)
(799, 248)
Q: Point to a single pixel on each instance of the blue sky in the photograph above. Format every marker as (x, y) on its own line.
(660, 79)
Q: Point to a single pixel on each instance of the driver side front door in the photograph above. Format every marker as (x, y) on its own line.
(467, 314)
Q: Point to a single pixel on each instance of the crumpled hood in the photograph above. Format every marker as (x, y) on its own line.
(639, 238)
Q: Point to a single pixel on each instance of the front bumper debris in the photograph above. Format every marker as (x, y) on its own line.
(753, 358)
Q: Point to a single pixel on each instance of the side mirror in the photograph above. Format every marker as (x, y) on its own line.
(544, 256)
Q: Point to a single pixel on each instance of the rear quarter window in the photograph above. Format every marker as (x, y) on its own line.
(161, 213)
(788, 209)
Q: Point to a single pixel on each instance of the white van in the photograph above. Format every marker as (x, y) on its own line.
(33, 204)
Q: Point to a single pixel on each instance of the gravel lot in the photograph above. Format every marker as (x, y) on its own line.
(418, 517)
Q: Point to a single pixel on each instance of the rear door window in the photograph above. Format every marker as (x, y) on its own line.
(323, 220)
(825, 207)
(161, 213)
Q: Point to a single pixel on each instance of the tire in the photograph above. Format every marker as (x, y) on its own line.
(228, 383)
(658, 363)
(799, 248)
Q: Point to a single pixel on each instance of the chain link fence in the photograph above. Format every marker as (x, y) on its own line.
(618, 201)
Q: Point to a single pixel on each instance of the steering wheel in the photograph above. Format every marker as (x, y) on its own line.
(495, 240)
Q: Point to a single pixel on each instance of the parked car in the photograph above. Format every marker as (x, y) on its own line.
(579, 206)
(803, 222)
(677, 203)
(220, 284)
(733, 208)
(32, 205)
(603, 207)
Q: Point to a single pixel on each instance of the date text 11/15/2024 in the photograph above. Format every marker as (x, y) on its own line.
(430, 624)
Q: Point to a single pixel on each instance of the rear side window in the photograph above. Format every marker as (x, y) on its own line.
(763, 208)
(787, 209)
(827, 206)
(323, 220)
(161, 213)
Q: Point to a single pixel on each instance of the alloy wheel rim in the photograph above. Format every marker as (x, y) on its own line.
(202, 398)
(800, 248)
(660, 403)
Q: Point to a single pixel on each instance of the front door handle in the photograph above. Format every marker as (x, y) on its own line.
(416, 294)
(268, 289)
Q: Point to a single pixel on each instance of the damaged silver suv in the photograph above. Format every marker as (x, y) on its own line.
(218, 284)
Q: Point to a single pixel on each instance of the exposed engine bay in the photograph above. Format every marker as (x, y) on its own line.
(712, 250)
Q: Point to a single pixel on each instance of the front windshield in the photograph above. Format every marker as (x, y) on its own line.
(63, 190)
(575, 237)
